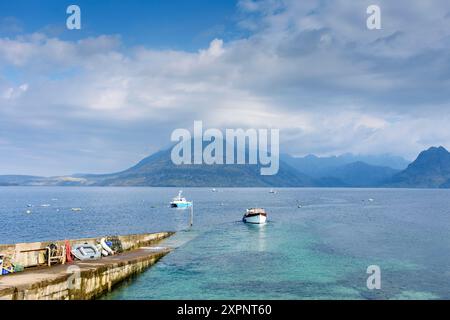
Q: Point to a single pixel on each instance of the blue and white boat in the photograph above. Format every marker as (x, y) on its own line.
(180, 202)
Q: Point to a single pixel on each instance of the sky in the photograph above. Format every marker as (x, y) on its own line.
(101, 98)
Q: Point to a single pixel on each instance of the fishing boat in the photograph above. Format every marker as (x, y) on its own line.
(255, 216)
(86, 251)
(180, 202)
(272, 191)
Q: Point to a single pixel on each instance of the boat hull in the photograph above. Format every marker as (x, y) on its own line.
(180, 204)
(86, 252)
(255, 219)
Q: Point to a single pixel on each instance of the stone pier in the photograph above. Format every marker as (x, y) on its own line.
(81, 280)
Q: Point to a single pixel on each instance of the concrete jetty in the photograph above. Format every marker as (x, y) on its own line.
(82, 280)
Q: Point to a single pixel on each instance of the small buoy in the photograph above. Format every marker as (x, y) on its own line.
(28, 211)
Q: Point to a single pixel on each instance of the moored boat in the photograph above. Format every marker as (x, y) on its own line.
(255, 216)
(180, 202)
(86, 251)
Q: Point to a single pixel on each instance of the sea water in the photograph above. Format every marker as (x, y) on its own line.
(317, 244)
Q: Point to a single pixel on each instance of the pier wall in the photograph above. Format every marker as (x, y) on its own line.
(82, 280)
(20, 252)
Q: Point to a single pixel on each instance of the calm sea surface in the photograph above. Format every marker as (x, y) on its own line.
(318, 251)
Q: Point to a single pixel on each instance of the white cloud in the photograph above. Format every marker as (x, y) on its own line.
(215, 49)
(8, 93)
(23, 87)
(310, 68)
(14, 93)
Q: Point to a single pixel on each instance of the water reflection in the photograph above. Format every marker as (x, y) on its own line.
(181, 218)
(258, 236)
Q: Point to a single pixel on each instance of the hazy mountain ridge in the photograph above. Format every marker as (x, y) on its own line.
(320, 167)
(431, 169)
(17, 180)
(347, 170)
(359, 174)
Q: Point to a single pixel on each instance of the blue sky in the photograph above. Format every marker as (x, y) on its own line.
(174, 24)
(102, 98)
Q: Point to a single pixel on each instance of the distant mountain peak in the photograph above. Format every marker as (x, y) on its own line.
(439, 149)
(431, 154)
(358, 164)
(431, 169)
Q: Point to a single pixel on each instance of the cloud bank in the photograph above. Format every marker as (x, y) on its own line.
(310, 68)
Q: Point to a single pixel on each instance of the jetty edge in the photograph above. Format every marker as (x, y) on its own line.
(78, 280)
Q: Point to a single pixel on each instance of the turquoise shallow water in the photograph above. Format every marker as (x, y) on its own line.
(318, 251)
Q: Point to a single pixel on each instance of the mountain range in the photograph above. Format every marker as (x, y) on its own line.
(347, 170)
(158, 170)
(431, 169)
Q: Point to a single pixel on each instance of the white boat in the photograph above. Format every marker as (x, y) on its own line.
(106, 246)
(272, 191)
(255, 216)
(86, 251)
(180, 202)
